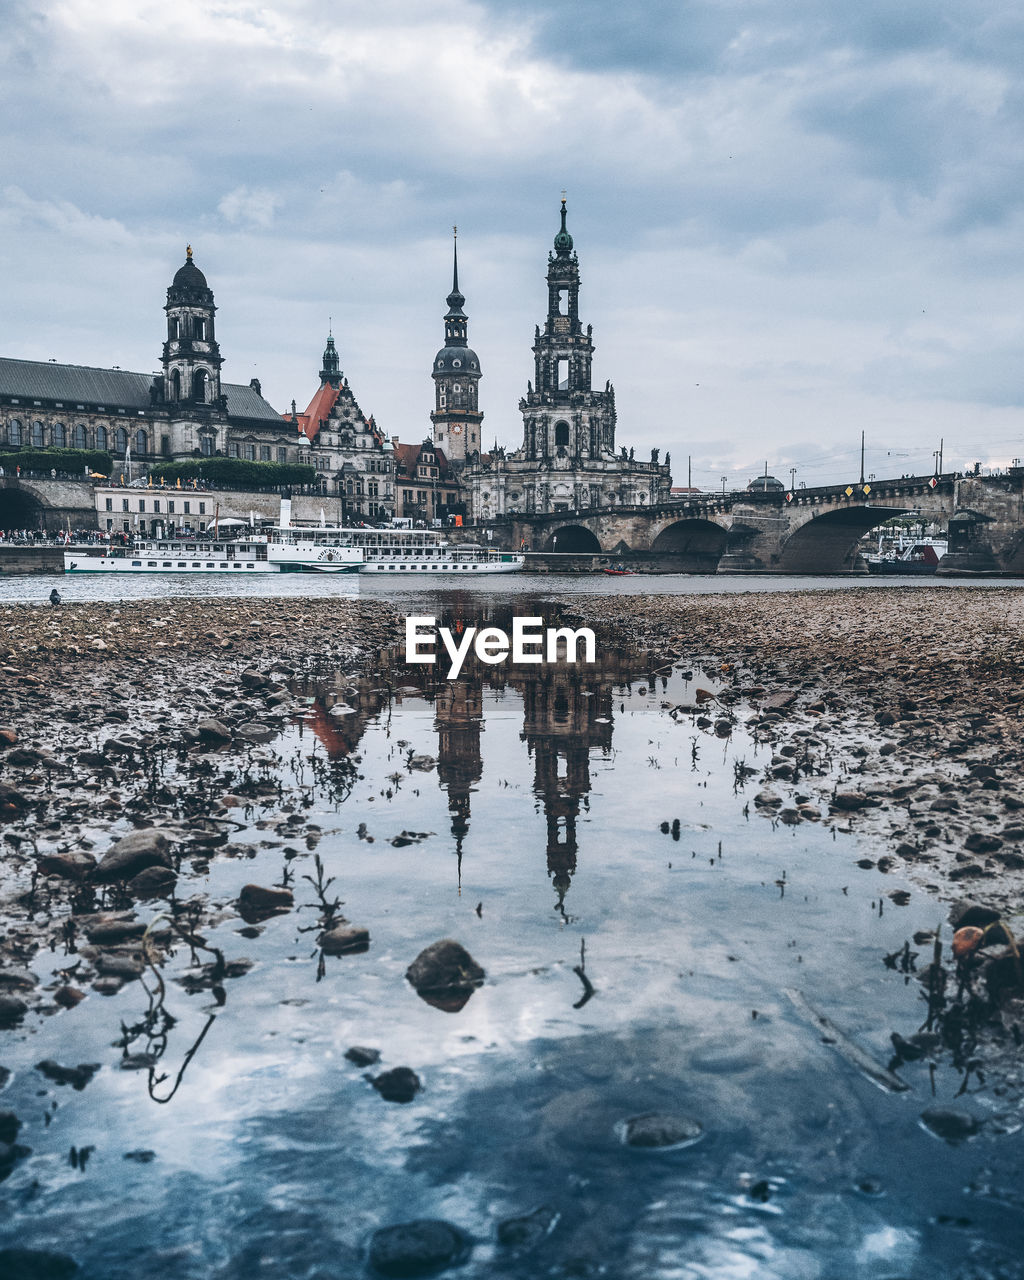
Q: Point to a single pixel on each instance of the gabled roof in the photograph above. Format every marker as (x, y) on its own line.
(319, 409)
(112, 388)
(407, 458)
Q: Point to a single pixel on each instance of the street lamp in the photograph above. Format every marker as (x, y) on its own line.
(792, 478)
(724, 478)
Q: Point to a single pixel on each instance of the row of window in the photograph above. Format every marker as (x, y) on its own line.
(37, 436)
(249, 452)
(410, 496)
(169, 506)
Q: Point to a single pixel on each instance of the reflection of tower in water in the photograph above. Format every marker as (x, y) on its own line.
(561, 727)
(458, 719)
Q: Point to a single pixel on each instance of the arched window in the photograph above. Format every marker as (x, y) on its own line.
(14, 431)
(80, 437)
(141, 443)
(175, 385)
(200, 381)
(60, 435)
(561, 434)
(120, 440)
(101, 437)
(37, 435)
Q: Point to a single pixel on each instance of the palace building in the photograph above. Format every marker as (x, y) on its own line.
(184, 411)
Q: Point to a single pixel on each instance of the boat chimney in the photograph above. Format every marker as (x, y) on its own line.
(286, 513)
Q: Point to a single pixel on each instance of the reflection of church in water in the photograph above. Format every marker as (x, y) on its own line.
(567, 716)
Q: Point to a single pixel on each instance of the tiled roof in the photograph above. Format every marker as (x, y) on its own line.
(111, 388)
(407, 458)
(319, 408)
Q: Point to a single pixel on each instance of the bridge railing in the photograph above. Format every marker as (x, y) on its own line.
(700, 504)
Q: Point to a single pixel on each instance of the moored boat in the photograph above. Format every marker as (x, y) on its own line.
(917, 556)
(170, 555)
(390, 550)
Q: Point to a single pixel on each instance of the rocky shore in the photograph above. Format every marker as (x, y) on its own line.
(903, 709)
(896, 713)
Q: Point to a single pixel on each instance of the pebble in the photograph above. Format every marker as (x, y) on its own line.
(950, 1124)
(659, 1130)
(362, 1056)
(419, 1248)
(257, 903)
(344, 940)
(400, 1084)
(132, 854)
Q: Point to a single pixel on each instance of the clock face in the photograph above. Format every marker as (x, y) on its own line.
(456, 430)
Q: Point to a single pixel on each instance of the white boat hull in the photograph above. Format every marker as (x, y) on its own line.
(77, 563)
(432, 568)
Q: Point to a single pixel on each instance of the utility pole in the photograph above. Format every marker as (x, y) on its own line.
(724, 478)
(689, 471)
(792, 479)
(941, 443)
(862, 457)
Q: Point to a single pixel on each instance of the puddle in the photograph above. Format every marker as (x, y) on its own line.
(655, 952)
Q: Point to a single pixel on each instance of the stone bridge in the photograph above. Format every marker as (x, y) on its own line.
(808, 531)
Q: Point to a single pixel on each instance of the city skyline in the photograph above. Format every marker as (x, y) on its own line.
(791, 226)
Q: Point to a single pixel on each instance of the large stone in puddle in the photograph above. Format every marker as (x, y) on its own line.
(134, 853)
(154, 882)
(420, 1248)
(659, 1130)
(401, 1084)
(256, 902)
(345, 940)
(445, 975)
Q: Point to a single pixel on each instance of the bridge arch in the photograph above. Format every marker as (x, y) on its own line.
(20, 509)
(575, 538)
(697, 544)
(827, 543)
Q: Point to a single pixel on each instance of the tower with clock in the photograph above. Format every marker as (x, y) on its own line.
(456, 373)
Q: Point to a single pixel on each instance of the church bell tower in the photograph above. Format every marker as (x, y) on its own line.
(191, 357)
(456, 375)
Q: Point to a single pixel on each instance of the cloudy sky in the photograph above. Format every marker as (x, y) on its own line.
(796, 220)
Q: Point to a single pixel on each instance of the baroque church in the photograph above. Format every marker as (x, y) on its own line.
(567, 461)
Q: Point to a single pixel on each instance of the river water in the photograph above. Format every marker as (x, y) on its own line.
(35, 589)
(651, 942)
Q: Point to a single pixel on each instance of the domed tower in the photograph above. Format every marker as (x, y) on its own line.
(456, 375)
(191, 356)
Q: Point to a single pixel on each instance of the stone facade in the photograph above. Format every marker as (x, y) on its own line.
(567, 461)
